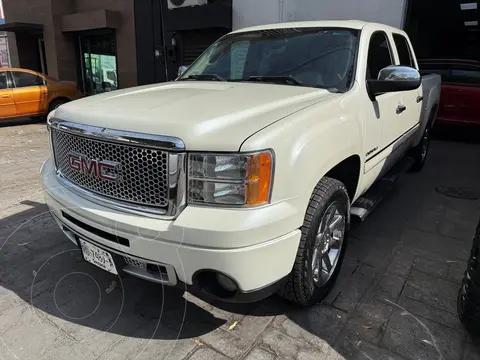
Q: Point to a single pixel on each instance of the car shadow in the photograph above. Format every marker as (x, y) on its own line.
(20, 121)
(47, 271)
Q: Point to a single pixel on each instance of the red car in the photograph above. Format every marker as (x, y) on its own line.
(460, 97)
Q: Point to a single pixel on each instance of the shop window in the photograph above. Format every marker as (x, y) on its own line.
(99, 63)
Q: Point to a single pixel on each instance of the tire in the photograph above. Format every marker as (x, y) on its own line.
(308, 284)
(420, 152)
(468, 304)
(55, 104)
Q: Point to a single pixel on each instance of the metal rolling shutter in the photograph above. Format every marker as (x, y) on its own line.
(195, 42)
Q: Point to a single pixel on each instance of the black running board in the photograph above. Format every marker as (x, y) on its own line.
(368, 201)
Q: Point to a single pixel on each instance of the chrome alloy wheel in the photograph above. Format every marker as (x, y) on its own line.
(328, 244)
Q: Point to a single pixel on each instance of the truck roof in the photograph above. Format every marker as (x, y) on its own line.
(348, 24)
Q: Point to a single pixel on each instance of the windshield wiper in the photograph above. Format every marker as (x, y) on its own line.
(205, 77)
(290, 80)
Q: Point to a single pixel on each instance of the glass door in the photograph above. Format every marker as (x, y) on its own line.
(99, 63)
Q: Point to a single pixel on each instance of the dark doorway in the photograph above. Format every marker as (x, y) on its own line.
(167, 39)
(29, 51)
(444, 28)
(98, 62)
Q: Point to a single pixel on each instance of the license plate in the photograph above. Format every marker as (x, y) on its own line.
(98, 257)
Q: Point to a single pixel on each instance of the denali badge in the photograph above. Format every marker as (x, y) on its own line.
(106, 170)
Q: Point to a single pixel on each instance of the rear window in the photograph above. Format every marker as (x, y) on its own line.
(440, 69)
(464, 74)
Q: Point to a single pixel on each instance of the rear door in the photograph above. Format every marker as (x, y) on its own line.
(465, 87)
(30, 93)
(413, 99)
(7, 103)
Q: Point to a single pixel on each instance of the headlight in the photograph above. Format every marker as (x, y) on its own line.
(230, 179)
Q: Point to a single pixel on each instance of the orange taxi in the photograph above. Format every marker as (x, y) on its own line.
(26, 93)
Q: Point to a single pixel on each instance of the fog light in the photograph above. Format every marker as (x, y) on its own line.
(226, 282)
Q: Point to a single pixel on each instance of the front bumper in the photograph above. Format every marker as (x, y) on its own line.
(256, 248)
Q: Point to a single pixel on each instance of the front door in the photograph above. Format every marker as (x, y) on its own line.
(382, 119)
(30, 93)
(7, 103)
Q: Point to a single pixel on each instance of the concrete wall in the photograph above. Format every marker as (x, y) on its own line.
(255, 12)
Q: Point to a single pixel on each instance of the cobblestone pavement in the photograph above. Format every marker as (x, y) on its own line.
(395, 298)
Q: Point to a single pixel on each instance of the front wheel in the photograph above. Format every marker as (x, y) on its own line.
(322, 244)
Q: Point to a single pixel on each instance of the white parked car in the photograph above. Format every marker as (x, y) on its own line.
(239, 179)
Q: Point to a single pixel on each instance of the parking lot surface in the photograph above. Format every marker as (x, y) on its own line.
(395, 297)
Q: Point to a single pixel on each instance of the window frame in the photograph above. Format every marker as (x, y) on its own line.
(392, 55)
(7, 78)
(410, 53)
(14, 85)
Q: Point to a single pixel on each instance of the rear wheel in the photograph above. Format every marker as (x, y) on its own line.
(420, 152)
(469, 296)
(322, 244)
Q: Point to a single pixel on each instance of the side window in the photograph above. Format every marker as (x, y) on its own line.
(23, 79)
(465, 74)
(403, 49)
(379, 55)
(3, 81)
(440, 69)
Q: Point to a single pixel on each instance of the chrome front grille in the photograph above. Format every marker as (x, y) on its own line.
(124, 170)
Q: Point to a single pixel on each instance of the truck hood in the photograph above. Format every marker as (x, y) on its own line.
(209, 116)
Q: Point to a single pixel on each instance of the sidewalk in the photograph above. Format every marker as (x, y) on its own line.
(395, 297)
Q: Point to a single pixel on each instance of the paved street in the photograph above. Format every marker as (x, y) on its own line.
(395, 298)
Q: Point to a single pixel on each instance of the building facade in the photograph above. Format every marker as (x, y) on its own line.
(108, 44)
(4, 52)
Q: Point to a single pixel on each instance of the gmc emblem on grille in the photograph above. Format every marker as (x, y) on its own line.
(106, 170)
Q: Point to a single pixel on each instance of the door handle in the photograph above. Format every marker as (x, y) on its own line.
(5, 96)
(401, 108)
(419, 99)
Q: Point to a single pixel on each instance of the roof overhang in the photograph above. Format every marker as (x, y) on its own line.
(20, 27)
(91, 20)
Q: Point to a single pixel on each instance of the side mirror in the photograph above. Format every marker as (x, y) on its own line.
(394, 78)
(182, 69)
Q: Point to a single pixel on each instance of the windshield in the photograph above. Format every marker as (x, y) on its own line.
(314, 57)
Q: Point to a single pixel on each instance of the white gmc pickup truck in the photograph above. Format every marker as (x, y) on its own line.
(239, 179)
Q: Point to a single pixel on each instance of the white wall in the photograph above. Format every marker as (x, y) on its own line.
(256, 12)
